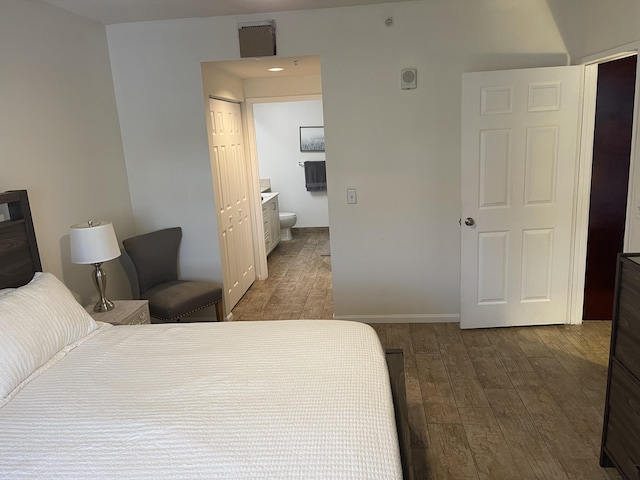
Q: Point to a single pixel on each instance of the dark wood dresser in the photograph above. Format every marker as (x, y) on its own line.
(621, 429)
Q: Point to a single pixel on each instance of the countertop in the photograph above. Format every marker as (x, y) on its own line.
(266, 196)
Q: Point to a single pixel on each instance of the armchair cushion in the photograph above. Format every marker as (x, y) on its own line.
(171, 300)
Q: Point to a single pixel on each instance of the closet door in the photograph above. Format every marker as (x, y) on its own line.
(232, 200)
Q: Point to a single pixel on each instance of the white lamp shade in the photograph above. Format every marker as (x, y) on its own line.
(93, 242)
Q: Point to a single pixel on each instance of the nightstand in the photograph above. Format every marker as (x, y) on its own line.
(127, 312)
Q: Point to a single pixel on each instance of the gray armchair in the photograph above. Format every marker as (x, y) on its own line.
(155, 258)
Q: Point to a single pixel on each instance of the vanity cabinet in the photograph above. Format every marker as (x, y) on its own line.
(621, 428)
(271, 221)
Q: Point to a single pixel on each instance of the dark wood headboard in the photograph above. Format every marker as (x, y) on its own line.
(19, 257)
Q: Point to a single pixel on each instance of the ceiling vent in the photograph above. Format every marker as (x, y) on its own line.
(257, 39)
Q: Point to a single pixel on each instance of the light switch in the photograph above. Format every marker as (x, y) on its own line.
(351, 195)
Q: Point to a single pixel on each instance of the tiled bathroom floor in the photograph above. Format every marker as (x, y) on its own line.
(299, 283)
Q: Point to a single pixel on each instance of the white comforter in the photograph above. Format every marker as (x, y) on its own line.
(244, 400)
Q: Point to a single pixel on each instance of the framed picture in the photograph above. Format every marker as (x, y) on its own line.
(312, 139)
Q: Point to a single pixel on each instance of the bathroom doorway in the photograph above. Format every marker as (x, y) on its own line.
(250, 82)
(282, 159)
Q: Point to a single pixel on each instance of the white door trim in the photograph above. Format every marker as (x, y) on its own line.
(582, 196)
(259, 248)
(583, 188)
(631, 238)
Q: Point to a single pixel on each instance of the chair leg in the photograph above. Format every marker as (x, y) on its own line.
(220, 311)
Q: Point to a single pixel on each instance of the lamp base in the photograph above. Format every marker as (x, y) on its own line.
(103, 305)
(100, 281)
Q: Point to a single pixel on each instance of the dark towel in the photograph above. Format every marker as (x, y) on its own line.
(315, 176)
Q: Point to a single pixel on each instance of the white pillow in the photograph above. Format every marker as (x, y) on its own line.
(36, 321)
(5, 291)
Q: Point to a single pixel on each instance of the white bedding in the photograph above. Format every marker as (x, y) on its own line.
(243, 400)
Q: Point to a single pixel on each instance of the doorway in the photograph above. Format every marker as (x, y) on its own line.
(281, 160)
(609, 183)
(251, 81)
(628, 235)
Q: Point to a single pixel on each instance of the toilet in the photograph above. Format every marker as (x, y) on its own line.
(287, 220)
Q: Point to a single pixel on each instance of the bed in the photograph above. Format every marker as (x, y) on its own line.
(232, 400)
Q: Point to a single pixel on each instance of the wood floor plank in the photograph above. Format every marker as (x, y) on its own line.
(525, 379)
(438, 399)
(589, 369)
(272, 311)
(523, 439)
(399, 336)
(505, 339)
(491, 372)
(586, 420)
(424, 338)
(552, 424)
(468, 392)
(514, 361)
(441, 410)
(583, 469)
(457, 361)
(531, 344)
(476, 338)
(432, 375)
(477, 415)
(452, 455)
(447, 333)
(551, 335)
(492, 456)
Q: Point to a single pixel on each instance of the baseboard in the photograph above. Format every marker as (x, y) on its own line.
(403, 318)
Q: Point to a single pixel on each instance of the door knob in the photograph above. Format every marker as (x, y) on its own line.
(469, 222)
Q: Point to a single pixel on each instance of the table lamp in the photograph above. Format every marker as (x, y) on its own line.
(94, 243)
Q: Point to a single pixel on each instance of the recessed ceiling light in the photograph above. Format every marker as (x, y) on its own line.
(276, 69)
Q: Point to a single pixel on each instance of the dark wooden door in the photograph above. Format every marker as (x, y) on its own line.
(609, 183)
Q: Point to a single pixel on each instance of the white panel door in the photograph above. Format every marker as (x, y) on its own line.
(232, 200)
(519, 160)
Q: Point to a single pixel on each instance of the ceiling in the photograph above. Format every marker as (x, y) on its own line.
(258, 67)
(123, 11)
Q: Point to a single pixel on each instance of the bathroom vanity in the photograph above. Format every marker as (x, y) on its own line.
(271, 220)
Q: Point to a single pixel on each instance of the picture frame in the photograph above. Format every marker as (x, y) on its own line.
(312, 139)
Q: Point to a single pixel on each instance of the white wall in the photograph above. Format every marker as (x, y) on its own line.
(59, 134)
(220, 84)
(278, 147)
(282, 86)
(159, 92)
(593, 26)
(395, 253)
